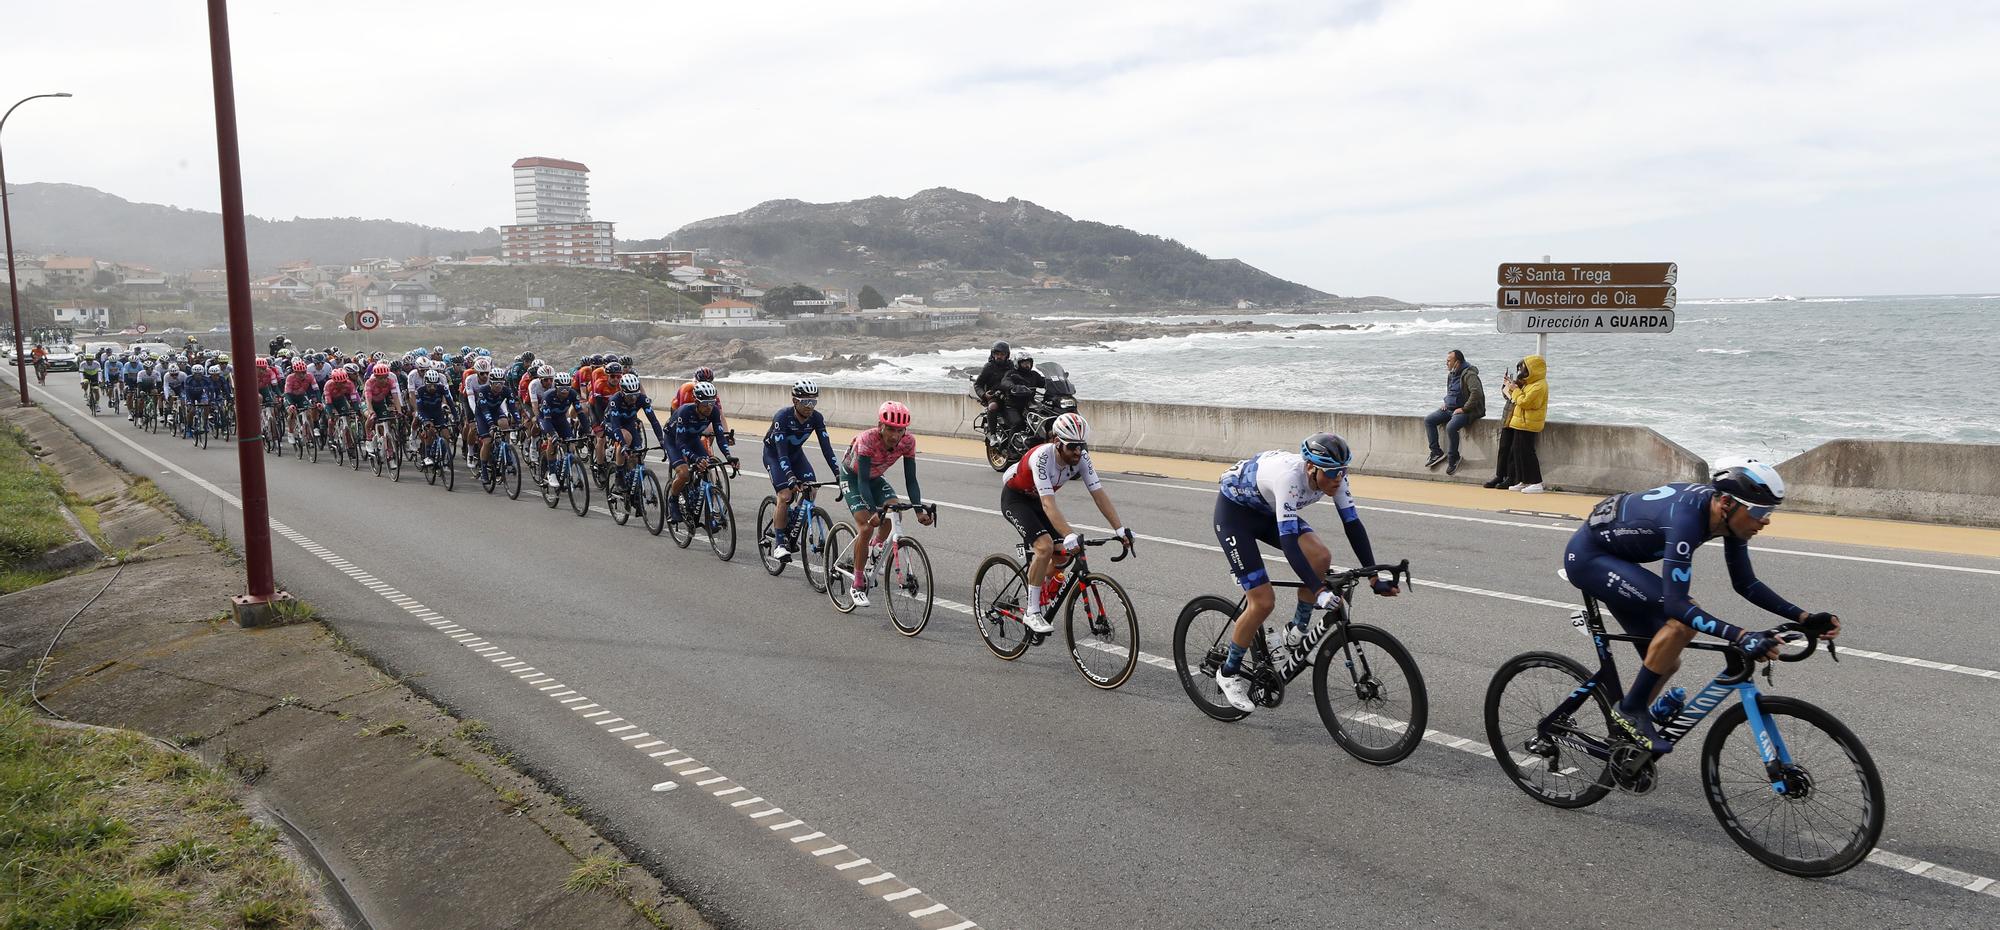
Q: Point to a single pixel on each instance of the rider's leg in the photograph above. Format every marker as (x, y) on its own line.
(864, 524)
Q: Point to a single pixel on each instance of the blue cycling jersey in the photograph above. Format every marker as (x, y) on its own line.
(430, 400)
(494, 400)
(1667, 524)
(685, 428)
(788, 432)
(557, 402)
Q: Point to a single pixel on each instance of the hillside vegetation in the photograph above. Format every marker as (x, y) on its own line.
(80, 220)
(588, 291)
(941, 237)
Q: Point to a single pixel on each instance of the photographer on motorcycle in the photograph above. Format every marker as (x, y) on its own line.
(1017, 391)
(986, 386)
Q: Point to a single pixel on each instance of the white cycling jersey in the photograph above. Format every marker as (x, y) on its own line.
(1275, 483)
(1046, 472)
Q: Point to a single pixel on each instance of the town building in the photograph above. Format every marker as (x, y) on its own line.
(402, 300)
(552, 224)
(558, 244)
(209, 283)
(668, 258)
(28, 269)
(731, 313)
(81, 315)
(69, 270)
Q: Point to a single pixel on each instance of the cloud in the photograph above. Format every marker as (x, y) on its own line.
(1399, 147)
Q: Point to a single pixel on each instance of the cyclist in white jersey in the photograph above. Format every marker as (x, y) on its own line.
(1028, 500)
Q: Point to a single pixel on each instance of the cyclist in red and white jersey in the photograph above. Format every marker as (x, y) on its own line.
(1028, 500)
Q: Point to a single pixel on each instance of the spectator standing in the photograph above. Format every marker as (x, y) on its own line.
(1531, 407)
(1503, 452)
(1464, 402)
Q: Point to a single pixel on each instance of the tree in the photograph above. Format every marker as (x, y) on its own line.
(778, 301)
(870, 298)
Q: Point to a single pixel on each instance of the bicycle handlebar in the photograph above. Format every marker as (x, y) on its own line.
(1811, 633)
(920, 508)
(1130, 548)
(1399, 575)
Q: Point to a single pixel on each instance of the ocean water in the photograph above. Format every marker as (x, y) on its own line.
(1736, 376)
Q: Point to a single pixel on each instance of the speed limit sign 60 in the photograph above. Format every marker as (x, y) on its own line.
(368, 319)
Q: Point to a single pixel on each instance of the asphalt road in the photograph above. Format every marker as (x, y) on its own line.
(1014, 795)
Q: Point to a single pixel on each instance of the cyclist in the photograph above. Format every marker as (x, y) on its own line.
(384, 400)
(298, 398)
(477, 373)
(429, 400)
(1669, 523)
(869, 495)
(685, 395)
(686, 426)
(1028, 500)
(198, 391)
(785, 454)
(607, 384)
(88, 371)
(39, 355)
(148, 384)
(621, 420)
(492, 406)
(553, 409)
(341, 396)
(528, 400)
(1260, 501)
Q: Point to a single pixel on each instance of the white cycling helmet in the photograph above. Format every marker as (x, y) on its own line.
(564, 378)
(483, 365)
(546, 371)
(1070, 427)
(805, 387)
(704, 392)
(630, 383)
(434, 376)
(215, 369)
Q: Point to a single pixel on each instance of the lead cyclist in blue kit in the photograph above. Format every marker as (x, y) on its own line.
(1669, 523)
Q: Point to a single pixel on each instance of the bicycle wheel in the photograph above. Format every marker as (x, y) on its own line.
(839, 581)
(1378, 710)
(510, 470)
(655, 501)
(1828, 817)
(906, 587)
(394, 455)
(312, 449)
(615, 502)
(379, 452)
(999, 597)
(578, 488)
(1201, 643)
(551, 491)
(682, 530)
(718, 520)
(813, 547)
(1103, 632)
(1559, 769)
(765, 510)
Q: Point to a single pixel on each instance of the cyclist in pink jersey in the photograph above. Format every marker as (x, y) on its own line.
(868, 457)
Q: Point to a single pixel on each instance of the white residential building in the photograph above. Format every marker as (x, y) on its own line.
(551, 191)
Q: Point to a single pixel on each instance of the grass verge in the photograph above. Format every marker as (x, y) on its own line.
(31, 520)
(110, 830)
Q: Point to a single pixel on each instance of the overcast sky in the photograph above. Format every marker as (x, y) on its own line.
(1398, 148)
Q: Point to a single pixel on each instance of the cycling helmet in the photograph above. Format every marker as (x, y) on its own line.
(437, 350)
(625, 360)
(381, 370)
(485, 353)
(704, 373)
(1750, 481)
(396, 366)
(284, 353)
(150, 362)
(215, 369)
(352, 368)
(339, 374)
(704, 392)
(175, 368)
(564, 379)
(1070, 427)
(805, 387)
(525, 358)
(262, 362)
(421, 352)
(629, 383)
(465, 350)
(298, 367)
(1326, 451)
(546, 371)
(893, 415)
(223, 358)
(434, 376)
(613, 368)
(482, 365)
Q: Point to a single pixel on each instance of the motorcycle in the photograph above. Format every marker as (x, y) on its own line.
(1005, 446)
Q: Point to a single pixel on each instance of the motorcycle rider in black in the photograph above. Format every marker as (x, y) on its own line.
(1017, 391)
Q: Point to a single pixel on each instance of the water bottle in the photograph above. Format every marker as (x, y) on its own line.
(1052, 585)
(1669, 703)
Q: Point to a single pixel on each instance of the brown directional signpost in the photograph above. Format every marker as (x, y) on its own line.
(1585, 297)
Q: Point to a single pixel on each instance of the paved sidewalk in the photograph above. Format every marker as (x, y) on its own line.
(410, 808)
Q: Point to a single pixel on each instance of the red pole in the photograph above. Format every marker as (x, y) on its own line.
(242, 337)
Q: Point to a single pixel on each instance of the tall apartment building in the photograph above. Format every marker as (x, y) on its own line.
(552, 223)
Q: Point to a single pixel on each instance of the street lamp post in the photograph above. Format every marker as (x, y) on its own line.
(13, 285)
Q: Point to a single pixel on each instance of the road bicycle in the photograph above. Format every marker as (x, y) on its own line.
(1098, 620)
(806, 529)
(902, 564)
(503, 468)
(562, 474)
(90, 396)
(1806, 802)
(1376, 713)
(381, 449)
(198, 423)
(272, 426)
(443, 465)
(705, 509)
(634, 489)
(149, 412)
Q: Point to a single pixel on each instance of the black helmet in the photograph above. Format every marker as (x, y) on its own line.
(1326, 451)
(1751, 482)
(625, 360)
(525, 357)
(1000, 348)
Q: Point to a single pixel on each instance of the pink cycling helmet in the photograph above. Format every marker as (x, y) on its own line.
(894, 415)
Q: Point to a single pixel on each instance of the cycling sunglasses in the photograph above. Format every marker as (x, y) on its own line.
(1076, 447)
(806, 401)
(1759, 512)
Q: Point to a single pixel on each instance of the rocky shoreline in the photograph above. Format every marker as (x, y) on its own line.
(843, 352)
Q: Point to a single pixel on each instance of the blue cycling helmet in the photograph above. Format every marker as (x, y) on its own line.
(1326, 451)
(485, 353)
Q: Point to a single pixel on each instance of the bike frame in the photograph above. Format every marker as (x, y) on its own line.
(1736, 678)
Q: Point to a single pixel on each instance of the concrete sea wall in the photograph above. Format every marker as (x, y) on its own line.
(1955, 483)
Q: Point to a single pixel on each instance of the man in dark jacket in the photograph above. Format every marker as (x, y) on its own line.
(997, 365)
(1464, 402)
(1017, 390)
